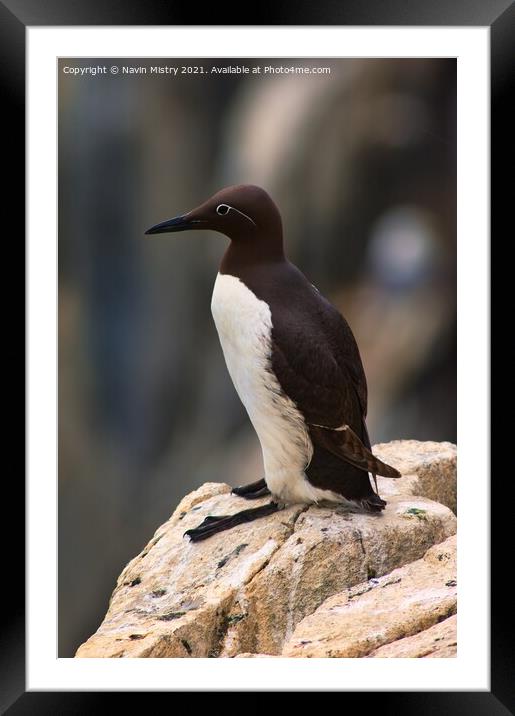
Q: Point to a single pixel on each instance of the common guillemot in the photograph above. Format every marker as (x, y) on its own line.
(294, 363)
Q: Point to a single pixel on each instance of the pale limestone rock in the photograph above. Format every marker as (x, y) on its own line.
(246, 589)
(439, 641)
(428, 469)
(330, 550)
(208, 489)
(175, 598)
(360, 620)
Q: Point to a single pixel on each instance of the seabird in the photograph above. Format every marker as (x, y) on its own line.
(294, 362)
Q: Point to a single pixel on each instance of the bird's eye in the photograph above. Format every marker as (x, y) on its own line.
(222, 209)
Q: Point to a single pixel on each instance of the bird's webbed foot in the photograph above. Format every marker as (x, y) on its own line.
(214, 524)
(252, 491)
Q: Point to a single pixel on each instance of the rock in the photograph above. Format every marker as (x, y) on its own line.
(245, 591)
(359, 620)
(438, 641)
(178, 598)
(428, 470)
(328, 550)
(188, 503)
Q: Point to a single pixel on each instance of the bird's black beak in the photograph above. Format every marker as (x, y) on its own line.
(178, 223)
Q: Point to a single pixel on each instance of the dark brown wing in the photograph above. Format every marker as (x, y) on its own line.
(319, 367)
(310, 375)
(316, 360)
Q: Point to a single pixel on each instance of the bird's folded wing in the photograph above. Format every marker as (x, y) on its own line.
(316, 378)
(344, 443)
(328, 387)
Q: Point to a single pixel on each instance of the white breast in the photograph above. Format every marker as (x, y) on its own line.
(244, 325)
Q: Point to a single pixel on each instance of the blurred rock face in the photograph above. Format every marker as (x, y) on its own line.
(362, 165)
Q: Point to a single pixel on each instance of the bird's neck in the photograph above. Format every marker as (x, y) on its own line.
(242, 254)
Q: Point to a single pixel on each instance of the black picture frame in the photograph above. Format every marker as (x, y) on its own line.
(15, 17)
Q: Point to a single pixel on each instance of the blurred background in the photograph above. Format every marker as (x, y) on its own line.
(361, 162)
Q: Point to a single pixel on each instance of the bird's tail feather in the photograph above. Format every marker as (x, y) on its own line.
(344, 443)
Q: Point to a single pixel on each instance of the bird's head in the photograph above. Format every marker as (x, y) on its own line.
(244, 213)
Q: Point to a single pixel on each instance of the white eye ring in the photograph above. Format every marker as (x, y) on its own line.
(222, 209)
